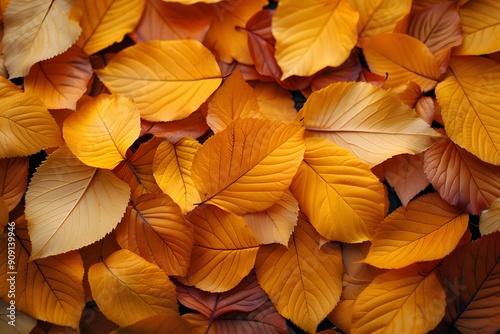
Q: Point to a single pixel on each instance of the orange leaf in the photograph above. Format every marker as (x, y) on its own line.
(405, 173)
(408, 92)
(223, 38)
(304, 282)
(234, 99)
(274, 101)
(13, 179)
(224, 249)
(27, 126)
(154, 228)
(428, 229)
(4, 213)
(400, 301)
(60, 81)
(489, 221)
(51, 22)
(107, 21)
(386, 55)
(47, 289)
(340, 195)
(166, 321)
(162, 20)
(254, 151)
(139, 288)
(472, 276)
(102, 130)
(460, 177)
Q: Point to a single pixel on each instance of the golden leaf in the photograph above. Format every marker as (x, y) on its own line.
(274, 101)
(489, 221)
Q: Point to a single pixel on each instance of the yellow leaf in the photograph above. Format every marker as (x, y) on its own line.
(274, 101)
(489, 221)
(128, 288)
(480, 21)
(154, 228)
(276, 223)
(24, 323)
(105, 22)
(254, 163)
(342, 198)
(102, 130)
(379, 16)
(311, 35)
(386, 55)
(400, 301)
(469, 97)
(25, 123)
(172, 171)
(13, 179)
(235, 99)
(51, 22)
(47, 289)
(70, 205)
(60, 81)
(366, 120)
(428, 229)
(304, 282)
(224, 249)
(168, 80)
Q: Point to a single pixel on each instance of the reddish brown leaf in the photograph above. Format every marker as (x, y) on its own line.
(13, 180)
(348, 71)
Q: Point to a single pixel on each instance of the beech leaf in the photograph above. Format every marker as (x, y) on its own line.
(489, 221)
(13, 180)
(379, 16)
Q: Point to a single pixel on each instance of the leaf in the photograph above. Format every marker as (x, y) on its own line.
(4, 213)
(276, 223)
(26, 125)
(234, 99)
(163, 20)
(460, 177)
(24, 324)
(473, 272)
(102, 130)
(176, 79)
(141, 289)
(386, 55)
(346, 72)
(13, 180)
(54, 23)
(304, 282)
(245, 297)
(58, 200)
(47, 289)
(480, 22)
(60, 81)
(366, 120)
(106, 22)
(191, 2)
(405, 173)
(223, 38)
(260, 152)
(172, 170)
(303, 30)
(224, 249)
(154, 228)
(400, 301)
(428, 229)
(340, 195)
(274, 102)
(137, 170)
(469, 100)
(175, 323)
(379, 16)
(489, 221)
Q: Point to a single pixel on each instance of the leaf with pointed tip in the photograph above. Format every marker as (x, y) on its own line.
(303, 281)
(428, 229)
(54, 23)
(176, 79)
(258, 152)
(154, 228)
(107, 21)
(140, 288)
(58, 200)
(25, 123)
(366, 120)
(13, 180)
(461, 178)
(472, 275)
(340, 195)
(47, 289)
(489, 221)
(224, 249)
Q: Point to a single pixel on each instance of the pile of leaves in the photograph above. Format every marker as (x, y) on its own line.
(177, 171)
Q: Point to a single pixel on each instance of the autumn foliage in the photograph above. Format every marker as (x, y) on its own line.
(179, 169)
